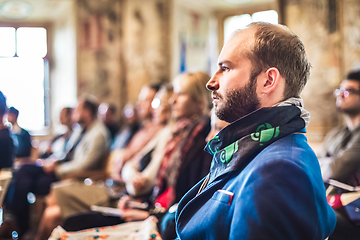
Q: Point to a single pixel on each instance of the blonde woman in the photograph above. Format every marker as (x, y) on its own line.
(139, 173)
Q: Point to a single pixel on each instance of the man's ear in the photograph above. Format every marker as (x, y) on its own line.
(269, 80)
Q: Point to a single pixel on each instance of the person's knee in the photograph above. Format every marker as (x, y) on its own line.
(51, 199)
(52, 213)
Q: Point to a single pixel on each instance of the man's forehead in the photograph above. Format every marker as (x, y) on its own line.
(80, 105)
(238, 45)
(350, 83)
(143, 93)
(63, 112)
(146, 93)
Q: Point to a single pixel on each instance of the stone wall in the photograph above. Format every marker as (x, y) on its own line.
(350, 12)
(317, 24)
(330, 30)
(63, 92)
(99, 47)
(146, 36)
(123, 44)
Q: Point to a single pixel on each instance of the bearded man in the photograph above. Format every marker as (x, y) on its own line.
(265, 181)
(339, 154)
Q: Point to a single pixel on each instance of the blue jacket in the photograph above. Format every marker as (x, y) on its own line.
(278, 195)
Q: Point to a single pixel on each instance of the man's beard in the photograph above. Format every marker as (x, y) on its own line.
(81, 121)
(352, 112)
(238, 103)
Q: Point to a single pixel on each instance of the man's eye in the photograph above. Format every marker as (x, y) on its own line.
(223, 68)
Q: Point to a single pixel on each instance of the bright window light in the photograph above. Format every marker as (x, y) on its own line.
(7, 41)
(31, 42)
(22, 74)
(22, 82)
(233, 23)
(270, 16)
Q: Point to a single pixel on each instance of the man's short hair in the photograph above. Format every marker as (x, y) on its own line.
(68, 111)
(155, 86)
(276, 46)
(353, 75)
(14, 111)
(112, 108)
(92, 106)
(3, 107)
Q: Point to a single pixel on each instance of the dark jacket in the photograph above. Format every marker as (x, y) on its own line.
(278, 195)
(7, 149)
(23, 146)
(195, 163)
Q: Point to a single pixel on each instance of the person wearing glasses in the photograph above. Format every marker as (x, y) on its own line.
(340, 151)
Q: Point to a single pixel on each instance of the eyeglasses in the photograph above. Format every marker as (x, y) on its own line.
(346, 92)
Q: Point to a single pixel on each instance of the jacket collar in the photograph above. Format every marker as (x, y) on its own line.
(237, 144)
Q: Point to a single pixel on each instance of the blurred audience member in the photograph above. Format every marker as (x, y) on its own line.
(167, 223)
(7, 150)
(129, 127)
(184, 162)
(341, 147)
(87, 150)
(22, 138)
(107, 113)
(75, 197)
(339, 155)
(167, 227)
(58, 144)
(147, 130)
(139, 173)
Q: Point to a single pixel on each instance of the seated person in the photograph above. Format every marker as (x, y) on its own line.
(184, 162)
(52, 214)
(128, 128)
(147, 130)
(139, 173)
(58, 143)
(107, 113)
(7, 149)
(22, 138)
(73, 198)
(339, 154)
(56, 149)
(87, 151)
(167, 226)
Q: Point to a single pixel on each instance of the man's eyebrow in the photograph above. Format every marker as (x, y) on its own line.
(224, 62)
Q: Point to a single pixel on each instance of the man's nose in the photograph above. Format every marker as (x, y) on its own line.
(213, 84)
(173, 98)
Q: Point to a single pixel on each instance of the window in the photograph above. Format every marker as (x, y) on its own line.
(240, 21)
(23, 74)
